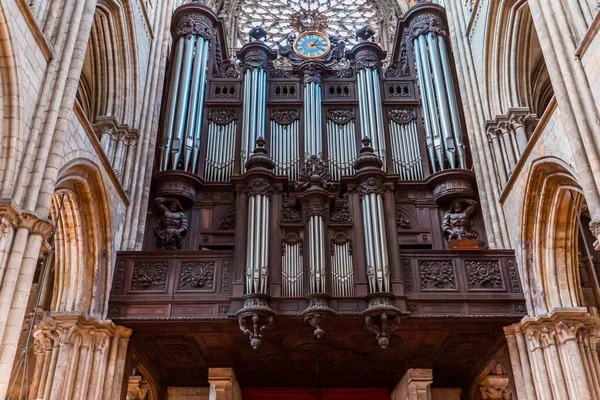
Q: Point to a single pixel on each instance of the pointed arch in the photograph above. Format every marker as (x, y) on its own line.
(10, 114)
(108, 85)
(82, 274)
(550, 236)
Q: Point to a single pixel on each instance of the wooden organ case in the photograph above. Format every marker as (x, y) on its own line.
(322, 208)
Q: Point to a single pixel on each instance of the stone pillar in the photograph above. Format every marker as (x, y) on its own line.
(78, 357)
(223, 384)
(415, 385)
(554, 356)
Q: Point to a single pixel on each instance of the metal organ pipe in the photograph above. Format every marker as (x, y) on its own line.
(258, 244)
(313, 135)
(342, 148)
(220, 151)
(342, 274)
(284, 148)
(185, 105)
(316, 253)
(438, 95)
(371, 114)
(406, 154)
(375, 243)
(254, 110)
(453, 102)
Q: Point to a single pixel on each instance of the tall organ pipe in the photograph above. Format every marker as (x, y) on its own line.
(316, 249)
(438, 94)
(369, 101)
(185, 104)
(313, 135)
(258, 244)
(254, 109)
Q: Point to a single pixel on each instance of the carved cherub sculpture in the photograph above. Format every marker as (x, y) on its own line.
(457, 222)
(172, 224)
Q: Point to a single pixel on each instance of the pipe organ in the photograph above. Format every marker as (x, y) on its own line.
(317, 178)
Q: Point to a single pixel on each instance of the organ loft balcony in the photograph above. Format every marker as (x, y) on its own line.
(314, 213)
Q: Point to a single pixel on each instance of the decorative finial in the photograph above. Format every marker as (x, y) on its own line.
(260, 156)
(257, 33)
(365, 34)
(260, 146)
(366, 142)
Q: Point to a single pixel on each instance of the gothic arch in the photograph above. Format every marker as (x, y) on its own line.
(550, 235)
(108, 86)
(10, 128)
(81, 273)
(516, 73)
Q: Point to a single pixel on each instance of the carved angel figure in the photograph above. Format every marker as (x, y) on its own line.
(457, 222)
(172, 224)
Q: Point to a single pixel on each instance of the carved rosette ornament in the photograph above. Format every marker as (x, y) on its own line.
(425, 23)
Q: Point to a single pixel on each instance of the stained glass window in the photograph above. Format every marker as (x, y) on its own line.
(341, 18)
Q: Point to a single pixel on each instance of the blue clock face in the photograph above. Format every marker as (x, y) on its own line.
(312, 45)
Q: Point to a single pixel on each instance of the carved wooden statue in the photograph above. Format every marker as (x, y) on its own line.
(457, 222)
(172, 224)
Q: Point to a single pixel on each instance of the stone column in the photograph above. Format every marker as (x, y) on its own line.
(554, 356)
(223, 384)
(78, 357)
(415, 385)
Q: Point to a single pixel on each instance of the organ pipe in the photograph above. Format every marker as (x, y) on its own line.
(438, 95)
(292, 271)
(257, 253)
(313, 135)
(371, 114)
(316, 253)
(406, 154)
(220, 151)
(254, 109)
(375, 243)
(342, 148)
(285, 146)
(342, 274)
(185, 104)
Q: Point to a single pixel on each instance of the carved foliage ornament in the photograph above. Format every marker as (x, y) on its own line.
(314, 173)
(228, 221)
(437, 275)
(423, 24)
(315, 210)
(290, 215)
(197, 275)
(513, 275)
(366, 59)
(149, 276)
(259, 186)
(222, 117)
(226, 276)
(284, 117)
(280, 73)
(340, 238)
(370, 186)
(402, 116)
(255, 59)
(194, 24)
(342, 215)
(399, 68)
(341, 116)
(484, 275)
(292, 238)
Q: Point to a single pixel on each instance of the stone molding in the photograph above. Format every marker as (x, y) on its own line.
(11, 217)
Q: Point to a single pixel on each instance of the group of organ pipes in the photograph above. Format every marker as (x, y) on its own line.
(315, 152)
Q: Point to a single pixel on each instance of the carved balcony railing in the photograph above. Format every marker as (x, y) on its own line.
(202, 285)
